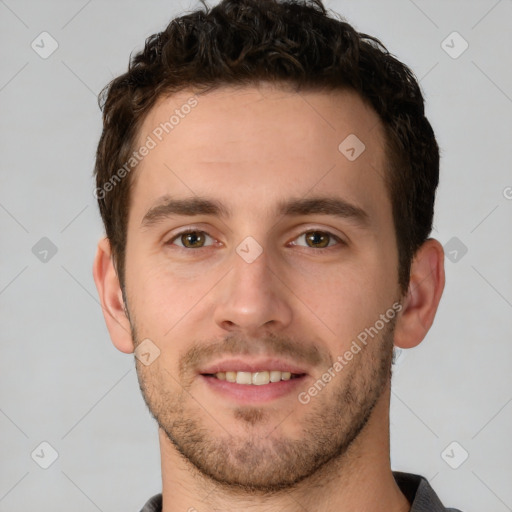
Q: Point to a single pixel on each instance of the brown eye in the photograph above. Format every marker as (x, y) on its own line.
(191, 239)
(317, 239)
(195, 239)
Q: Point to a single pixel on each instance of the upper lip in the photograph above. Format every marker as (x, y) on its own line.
(252, 365)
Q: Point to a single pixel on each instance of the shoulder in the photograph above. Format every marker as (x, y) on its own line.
(154, 504)
(420, 494)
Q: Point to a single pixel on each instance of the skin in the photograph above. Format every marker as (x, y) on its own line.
(250, 148)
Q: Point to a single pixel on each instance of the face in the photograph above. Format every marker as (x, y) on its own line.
(260, 251)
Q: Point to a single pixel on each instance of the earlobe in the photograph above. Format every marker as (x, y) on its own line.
(111, 298)
(425, 289)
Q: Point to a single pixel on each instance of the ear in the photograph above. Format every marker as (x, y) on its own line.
(426, 286)
(111, 298)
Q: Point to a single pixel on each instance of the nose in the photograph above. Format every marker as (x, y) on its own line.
(252, 298)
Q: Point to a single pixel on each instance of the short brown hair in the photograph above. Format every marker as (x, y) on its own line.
(242, 42)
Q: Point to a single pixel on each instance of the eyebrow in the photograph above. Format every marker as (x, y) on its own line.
(193, 206)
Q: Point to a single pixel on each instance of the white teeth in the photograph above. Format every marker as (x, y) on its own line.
(259, 378)
(275, 376)
(243, 378)
(256, 378)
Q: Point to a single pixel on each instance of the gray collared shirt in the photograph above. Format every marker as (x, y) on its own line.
(415, 488)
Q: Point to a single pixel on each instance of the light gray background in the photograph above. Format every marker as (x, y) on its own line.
(63, 382)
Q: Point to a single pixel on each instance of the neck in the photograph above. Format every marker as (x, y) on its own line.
(360, 480)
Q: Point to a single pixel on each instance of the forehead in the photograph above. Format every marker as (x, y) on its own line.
(265, 109)
(264, 138)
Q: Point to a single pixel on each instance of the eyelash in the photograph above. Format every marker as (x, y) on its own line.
(314, 230)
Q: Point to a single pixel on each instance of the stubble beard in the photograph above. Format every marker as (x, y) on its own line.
(268, 462)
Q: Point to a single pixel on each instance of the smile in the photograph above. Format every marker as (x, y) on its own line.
(254, 378)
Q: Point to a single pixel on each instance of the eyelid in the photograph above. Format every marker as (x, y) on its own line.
(189, 229)
(340, 238)
(195, 229)
(333, 236)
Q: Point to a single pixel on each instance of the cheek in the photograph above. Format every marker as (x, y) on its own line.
(329, 300)
(162, 300)
(346, 299)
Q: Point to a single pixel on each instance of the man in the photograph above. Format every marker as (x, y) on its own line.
(266, 177)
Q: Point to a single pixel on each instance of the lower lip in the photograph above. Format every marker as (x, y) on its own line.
(250, 393)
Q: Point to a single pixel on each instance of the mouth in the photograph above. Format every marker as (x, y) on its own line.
(252, 381)
(259, 378)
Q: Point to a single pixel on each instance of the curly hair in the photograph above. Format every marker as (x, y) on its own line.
(242, 42)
